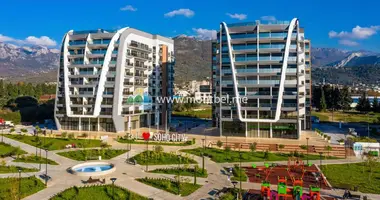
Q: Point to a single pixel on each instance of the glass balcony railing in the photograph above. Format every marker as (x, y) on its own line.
(227, 82)
(86, 73)
(247, 82)
(98, 51)
(289, 105)
(246, 70)
(101, 41)
(77, 42)
(269, 81)
(96, 62)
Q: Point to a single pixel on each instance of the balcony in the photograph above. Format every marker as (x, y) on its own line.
(140, 84)
(139, 46)
(135, 55)
(127, 93)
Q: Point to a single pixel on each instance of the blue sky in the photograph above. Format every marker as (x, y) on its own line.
(342, 24)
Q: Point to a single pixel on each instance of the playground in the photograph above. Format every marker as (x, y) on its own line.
(291, 180)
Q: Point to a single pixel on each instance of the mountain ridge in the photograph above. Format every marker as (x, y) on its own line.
(193, 60)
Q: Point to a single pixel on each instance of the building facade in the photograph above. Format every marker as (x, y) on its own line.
(264, 72)
(110, 80)
(203, 95)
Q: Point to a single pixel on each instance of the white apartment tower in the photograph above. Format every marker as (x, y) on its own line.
(269, 65)
(109, 80)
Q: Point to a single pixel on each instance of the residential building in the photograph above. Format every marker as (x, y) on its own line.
(204, 94)
(265, 66)
(110, 80)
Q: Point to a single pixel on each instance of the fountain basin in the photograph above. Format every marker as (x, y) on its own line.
(92, 169)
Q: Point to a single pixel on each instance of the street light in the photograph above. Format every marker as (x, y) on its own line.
(234, 183)
(179, 175)
(46, 167)
(307, 150)
(19, 183)
(113, 187)
(240, 156)
(320, 166)
(203, 156)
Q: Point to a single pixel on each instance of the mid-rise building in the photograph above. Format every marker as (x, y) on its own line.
(110, 80)
(266, 69)
(203, 95)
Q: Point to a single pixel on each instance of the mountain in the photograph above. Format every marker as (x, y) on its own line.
(193, 62)
(193, 58)
(323, 56)
(16, 61)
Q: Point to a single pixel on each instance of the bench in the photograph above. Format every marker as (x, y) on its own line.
(91, 180)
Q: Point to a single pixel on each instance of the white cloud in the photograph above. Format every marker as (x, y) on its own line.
(237, 16)
(31, 40)
(348, 43)
(128, 8)
(43, 41)
(205, 34)
(4, 38)
(356, 33)
(183, 11)
(268, 18)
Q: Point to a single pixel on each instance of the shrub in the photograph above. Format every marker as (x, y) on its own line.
(252, 147)
(193, 141)
(70, 136)
(24, 130)
(304, 147)
(219, 144)
(85, 135)
(328, 137)
(158, 148)
(281, 146)
(227, 148)
(340, 140)
(324, 136)
(64, 134)
(266, 155)
(12, 130)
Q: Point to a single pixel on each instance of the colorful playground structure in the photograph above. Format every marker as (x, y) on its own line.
(290, 180)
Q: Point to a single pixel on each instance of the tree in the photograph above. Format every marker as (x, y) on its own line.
(252, 147)
(322, 103)
(219, 144)
(375, 105)
(345, 98)
(363, 105)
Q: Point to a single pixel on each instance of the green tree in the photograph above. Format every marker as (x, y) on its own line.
(375, 105)
(345, 98)
(252, 147)
(363, 105)
(322, 103)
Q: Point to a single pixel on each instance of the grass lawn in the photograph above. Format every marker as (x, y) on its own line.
(356, 174)
(14, 169)
(102, 192)
(161, 158)
(92, 154)
(220, 156)
(35, 159)
(7, 150)
(349, 116)
(207, 113)
(29, 186)
(54, 143)
(170, 186)
(187, 143)
(189, 171)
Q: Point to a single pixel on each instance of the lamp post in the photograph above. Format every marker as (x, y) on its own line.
(2, 132)
(19, 184)
(147, 152)
(307, 150)
(225, 148)
(203, 156)
(179, 175)
(113, 187)
(234, 183)
(46, 166)
(240, 156)
(320, 166)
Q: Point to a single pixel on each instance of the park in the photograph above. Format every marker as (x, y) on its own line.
(82, 165)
